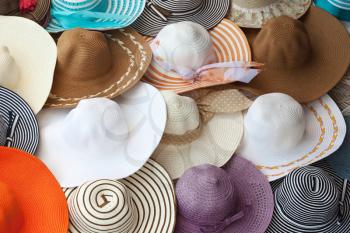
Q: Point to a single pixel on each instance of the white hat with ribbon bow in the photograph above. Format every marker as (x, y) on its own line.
(204, 129)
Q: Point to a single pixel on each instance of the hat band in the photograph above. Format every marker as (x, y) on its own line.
(187, 138)
(13, 122)
(251, 4)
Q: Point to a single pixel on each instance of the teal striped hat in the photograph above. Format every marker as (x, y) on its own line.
(93, 14)
(338, 8)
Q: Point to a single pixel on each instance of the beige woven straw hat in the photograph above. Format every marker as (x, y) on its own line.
(206, 128)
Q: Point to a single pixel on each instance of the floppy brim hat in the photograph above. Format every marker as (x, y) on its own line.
(338, 8)
(35, 54)
(324, 133)
(280, 224)
(36, 190)
(253, 14)
(131, 56)
(230, 44)
(251, 185)
(144, 110)
(330, 58)
(208, 14)
(153, 194)
(26, 131)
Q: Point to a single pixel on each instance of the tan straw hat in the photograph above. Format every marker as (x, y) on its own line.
(304, 59)
(95, 64)
(204, 129)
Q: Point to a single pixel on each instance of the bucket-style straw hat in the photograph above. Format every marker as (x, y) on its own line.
(255, 13)
(281, 135)
(338, 8)
(36, 10)
(235, 199)
(102, 138)
(304, 59)
(18, 125)
(158, 14)
(311, 200)
(27, 63)
(141, 203)
(31, 199)
(94, 64)
(93, 14)
(206, 128)
(187, 57)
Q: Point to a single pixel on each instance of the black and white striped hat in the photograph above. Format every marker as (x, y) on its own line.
(311, 199)
(18, 125)
(141, 203)
(159, 13)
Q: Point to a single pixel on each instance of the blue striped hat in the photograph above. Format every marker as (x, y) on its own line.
(338, 8)
(93, 14)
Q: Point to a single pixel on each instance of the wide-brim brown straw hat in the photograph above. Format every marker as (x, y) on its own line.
(303, 58)
(94, 64)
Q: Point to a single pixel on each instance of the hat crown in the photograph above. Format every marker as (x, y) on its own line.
(103, 206)
(11, 216)
(83, 54)
(275, 119)
(308, 196)
(76, 5)
(182, 113)
(205, 194)
(283, 43)
(184, 47)
(9, 73)
(253, 3)
(179, 5)
(95, 123)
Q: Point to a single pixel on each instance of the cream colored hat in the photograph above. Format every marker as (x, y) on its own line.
(254, 13)
(27, 59)
(281, 135)
(204, 129)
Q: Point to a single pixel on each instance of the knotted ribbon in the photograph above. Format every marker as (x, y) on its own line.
(27, 5)
(210, 102)
(159, 11)
(13, 122)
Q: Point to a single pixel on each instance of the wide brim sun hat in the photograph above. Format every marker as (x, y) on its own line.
(31, 198)
(34, 54)
(22, 130)
(311, 61)
(151, 192)
(253, 14)
(254, 198)
(157, 14)
(338, 8)
(323, 133)
(229, 43)
(92, 64)
(102, 138)
(94, 15)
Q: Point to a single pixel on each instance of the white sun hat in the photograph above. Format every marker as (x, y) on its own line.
(27, 60)
(102, 138)
(205, 129)
(281, 135)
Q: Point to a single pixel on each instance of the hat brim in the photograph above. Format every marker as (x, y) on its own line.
(280, 224)
(209, 15)
(327, 65)
(256, 17)
(32, 183)
(152, 192)
(250, 184)
(26, 135)
(230, 44)
(145, 113)
(131, 56)
(35, 54)
(324, 134)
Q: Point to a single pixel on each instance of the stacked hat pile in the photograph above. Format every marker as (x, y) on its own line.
(191, 116)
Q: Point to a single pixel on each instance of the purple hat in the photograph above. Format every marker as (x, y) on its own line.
(235, 199)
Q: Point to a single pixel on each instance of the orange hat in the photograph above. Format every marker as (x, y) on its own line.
(31, 199)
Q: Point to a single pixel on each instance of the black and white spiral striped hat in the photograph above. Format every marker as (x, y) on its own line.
(311, 199)
(159, 13)
(18, 125)
(141, 203)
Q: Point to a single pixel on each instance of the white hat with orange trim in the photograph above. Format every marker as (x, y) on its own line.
(186, 57)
